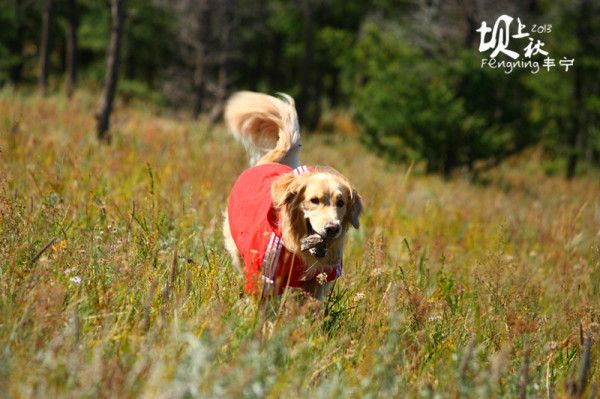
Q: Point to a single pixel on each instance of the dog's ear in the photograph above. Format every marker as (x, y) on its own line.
(355, 208)
(287, 193)
(284, 190)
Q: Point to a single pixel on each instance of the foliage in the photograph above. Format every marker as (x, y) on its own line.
(449, 113)
(446, 287)
(555, 106)
(20, 20)
(409, 69)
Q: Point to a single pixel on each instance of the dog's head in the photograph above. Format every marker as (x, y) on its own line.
(321, 201)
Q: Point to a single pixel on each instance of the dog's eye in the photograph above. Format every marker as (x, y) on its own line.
(339, 203)
(315, 200)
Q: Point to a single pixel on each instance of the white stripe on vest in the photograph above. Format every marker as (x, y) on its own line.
(270, 262)
(300, 169)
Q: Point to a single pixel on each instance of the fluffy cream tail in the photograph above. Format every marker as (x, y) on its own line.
(267, 126)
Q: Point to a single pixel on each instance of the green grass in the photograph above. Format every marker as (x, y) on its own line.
(446, 286)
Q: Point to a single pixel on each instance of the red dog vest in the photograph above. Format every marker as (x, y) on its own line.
(256, 231)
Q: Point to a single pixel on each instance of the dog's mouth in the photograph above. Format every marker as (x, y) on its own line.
(309, 228)
(320, 251)
(318, 247)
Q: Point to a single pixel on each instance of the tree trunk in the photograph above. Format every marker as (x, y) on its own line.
(260, 28)
(334, 87)
(71, 48)
(312, 120)
(45, 46)
(575, 134)
(201, 57)
(449, 162)
(200, 91)
(577, 125)
(112, 70)
(276, 50)
(16, 45)
(129, 66)
(225, 60)
(304, 97)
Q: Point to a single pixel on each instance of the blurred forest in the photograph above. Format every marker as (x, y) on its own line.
(407, 71)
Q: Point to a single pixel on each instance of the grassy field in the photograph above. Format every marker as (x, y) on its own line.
(451, 289)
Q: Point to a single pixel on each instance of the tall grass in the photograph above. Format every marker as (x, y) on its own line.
(114, 282)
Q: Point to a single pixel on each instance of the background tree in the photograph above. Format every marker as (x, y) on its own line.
(46, 37)
(189, 79)
(407, 71)
(433, 101)
(227, 19)
(200, 58)
(587, 36)
(570, 101)
(12, 39)
(71, 50)
(307, 58)
(113, 61)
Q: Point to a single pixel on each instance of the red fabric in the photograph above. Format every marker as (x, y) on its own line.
(255, 229)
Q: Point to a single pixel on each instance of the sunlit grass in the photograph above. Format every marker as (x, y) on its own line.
(446, 286)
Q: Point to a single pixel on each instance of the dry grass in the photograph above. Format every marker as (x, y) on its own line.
(450, 289)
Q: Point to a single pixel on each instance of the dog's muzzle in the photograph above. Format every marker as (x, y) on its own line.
(315, 243)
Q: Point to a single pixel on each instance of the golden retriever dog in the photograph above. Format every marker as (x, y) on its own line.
(285, 223)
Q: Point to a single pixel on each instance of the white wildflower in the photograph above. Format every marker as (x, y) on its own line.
(322, 278)
(359, 296)
(376, 272)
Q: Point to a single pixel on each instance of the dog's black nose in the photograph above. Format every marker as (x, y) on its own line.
(331, 229)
